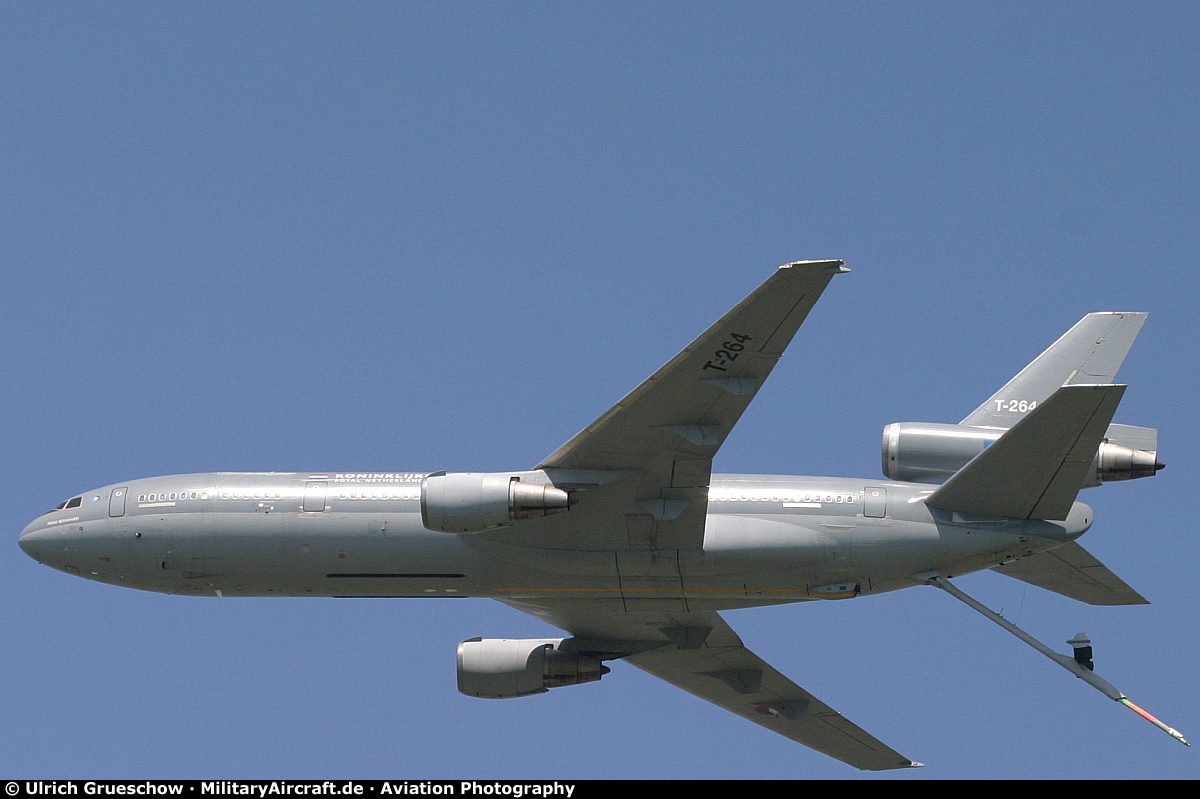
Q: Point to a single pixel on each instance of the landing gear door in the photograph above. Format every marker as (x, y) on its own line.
(314, 496)
(116, 501)
(875, 502)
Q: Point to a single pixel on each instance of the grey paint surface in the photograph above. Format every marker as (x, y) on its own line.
(651, 548)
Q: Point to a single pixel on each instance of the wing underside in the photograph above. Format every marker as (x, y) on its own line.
(700, 653)
(656, 445)
(661, 438)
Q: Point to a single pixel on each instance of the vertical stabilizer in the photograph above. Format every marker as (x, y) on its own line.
(1090, 352)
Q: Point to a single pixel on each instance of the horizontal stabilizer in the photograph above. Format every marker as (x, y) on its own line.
(1127, 435)
(1036, 469)
(1072, 571)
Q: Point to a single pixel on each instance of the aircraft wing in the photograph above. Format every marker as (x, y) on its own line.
(700, 653)
(664, 434)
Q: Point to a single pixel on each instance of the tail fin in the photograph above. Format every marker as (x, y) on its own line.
(1036, 469)
(1090, 352)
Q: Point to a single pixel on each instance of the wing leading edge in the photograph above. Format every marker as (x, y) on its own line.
(663, 435)
(689, 405)
(700, 653)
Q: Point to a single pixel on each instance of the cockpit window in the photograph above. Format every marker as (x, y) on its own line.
(73, 502)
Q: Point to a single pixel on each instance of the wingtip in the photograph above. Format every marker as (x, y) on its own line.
(895, 766)
(836, 265)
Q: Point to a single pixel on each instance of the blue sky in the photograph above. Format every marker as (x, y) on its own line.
(377, 236)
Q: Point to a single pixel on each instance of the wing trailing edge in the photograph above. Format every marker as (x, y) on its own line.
(734, 678)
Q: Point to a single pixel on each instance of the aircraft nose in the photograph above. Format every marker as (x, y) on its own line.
(35, 541)
(31, 541)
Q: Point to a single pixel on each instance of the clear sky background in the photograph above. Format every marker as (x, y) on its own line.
(410, 236)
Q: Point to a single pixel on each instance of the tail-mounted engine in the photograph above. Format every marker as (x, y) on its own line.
(472, 502)
(921, 452)
(502, 668)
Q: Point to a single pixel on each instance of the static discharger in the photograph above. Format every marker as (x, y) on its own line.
(1080, 664)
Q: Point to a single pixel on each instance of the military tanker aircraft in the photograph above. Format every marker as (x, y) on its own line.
(625, 539)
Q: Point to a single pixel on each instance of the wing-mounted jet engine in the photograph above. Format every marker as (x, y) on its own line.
(471, 502)
(504, 668)
(1090, 353)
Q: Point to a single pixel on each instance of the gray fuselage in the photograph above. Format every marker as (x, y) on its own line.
(768, 540)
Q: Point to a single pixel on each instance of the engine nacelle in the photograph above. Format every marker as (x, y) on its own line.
(921, 452)
(472, 502)
(1115, 462)
(917, 452)
(502, 668)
